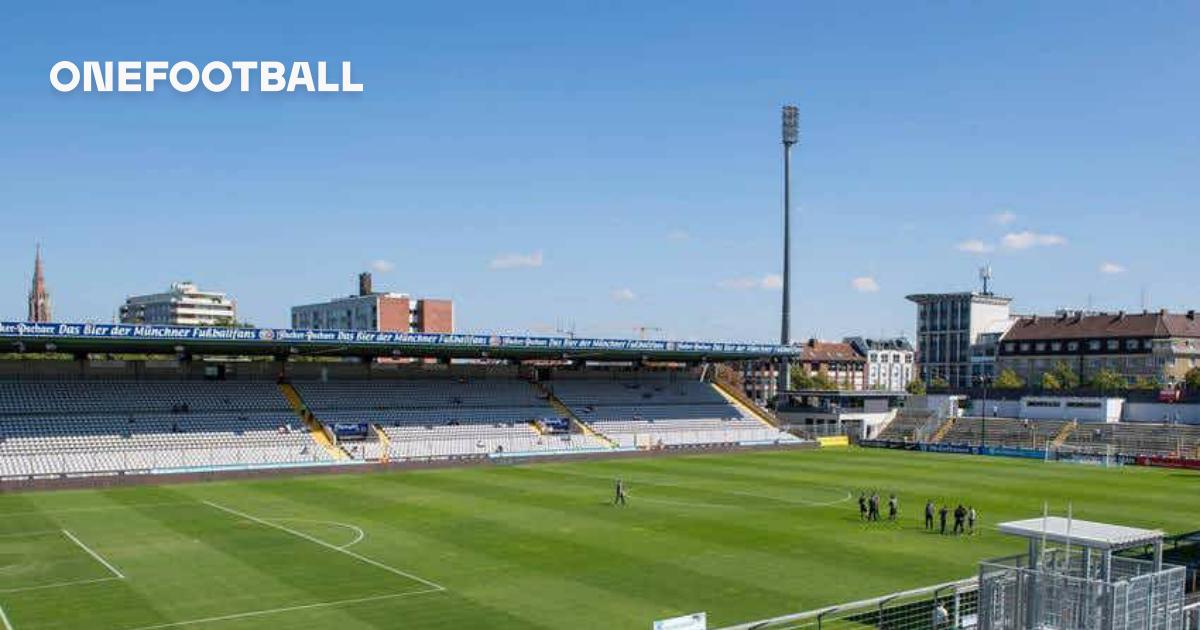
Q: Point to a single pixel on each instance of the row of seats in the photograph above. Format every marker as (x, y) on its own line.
(1003, 432)
(57, 397)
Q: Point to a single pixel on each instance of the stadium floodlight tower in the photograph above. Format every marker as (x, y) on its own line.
(791, 134)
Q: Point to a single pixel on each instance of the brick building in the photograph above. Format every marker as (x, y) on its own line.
(1159, 346)
(372, 310)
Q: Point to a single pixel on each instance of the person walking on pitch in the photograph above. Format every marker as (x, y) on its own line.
(971, 515)
(893, 507)
(862, 506)
(928, 515)
(619, 497)
(942, 518)
(960, 515)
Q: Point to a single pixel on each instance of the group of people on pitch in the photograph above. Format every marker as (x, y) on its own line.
(964, 518)
(868, 507)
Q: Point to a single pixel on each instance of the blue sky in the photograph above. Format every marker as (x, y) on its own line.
(614, 164)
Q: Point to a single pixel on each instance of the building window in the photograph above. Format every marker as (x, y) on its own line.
(1041, 347)
(1114, 344)
(1094, 344)
(1025, 347)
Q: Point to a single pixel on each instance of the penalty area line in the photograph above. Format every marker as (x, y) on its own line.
(95, 555)
(4, 618)
(318, 541)
(274, 611)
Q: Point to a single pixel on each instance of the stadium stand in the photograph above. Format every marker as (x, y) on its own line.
(442, 417)
(1003, 432)
(661, 411)
(55, 428)
(907, 424)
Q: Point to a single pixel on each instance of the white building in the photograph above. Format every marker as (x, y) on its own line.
(957, 334)
(890, 362)
(184, 305)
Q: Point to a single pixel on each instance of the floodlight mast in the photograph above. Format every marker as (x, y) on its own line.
(791, 134)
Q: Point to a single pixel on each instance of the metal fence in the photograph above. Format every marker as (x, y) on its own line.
(1067, 593)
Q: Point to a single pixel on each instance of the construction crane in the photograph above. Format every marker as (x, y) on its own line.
(642, 330)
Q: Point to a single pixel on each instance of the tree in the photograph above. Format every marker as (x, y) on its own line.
(1008, 379)
(1192, 379)
(939, 383)
(1144, 383)
(916, 387)
(1066, 377)
(1107, 380)
(812, 380)
(1050, 382)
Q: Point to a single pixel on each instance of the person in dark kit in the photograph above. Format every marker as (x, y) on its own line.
(942, 518)
(619, 497)
(862, 506)
(874, 506)
(893, 507)
(960, 516)
(929, 515)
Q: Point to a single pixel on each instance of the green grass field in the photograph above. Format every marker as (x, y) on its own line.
(741, 536)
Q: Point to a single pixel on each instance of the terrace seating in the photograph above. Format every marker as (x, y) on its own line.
(658, 411)
(904, 427)
(97, 427)
(1003, 432)
(441, 418)
(1129, 438)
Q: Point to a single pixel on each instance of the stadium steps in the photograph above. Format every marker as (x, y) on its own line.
(385, 442)
(315, 429)
(565, 412)
(943, 430)
(742, 403)
(1064, 433)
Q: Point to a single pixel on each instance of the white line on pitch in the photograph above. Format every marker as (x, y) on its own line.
(360, 558)
(3, 617)
(272, 611)
(94, 555)
(23, 589)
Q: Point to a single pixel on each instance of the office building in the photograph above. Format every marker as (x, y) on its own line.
(184, 304)
(376, 311)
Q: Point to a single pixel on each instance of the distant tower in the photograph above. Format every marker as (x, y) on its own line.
(39, 298)
(985, 274)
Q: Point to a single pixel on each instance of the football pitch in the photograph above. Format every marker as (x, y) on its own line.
(741, 536)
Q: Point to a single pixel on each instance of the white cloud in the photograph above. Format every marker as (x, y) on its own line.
(1004, 218)
(678, 235)
(1028, 239)
(768, 282)
(974, 246)
(517, 261)
(1111, 268)
(382, 266)
(623, 295)
(865, 284)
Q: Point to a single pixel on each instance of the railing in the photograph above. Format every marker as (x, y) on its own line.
(938, 607)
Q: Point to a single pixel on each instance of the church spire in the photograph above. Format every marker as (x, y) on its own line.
(39, 298)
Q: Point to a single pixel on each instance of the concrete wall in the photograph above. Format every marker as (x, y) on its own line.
(1071, 408)
(1160, 412)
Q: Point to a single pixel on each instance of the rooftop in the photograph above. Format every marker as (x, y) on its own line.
(1083, 533)
(1087, 326)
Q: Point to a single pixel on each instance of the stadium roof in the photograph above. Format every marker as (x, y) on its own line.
(156, 339)
(1082, 533)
